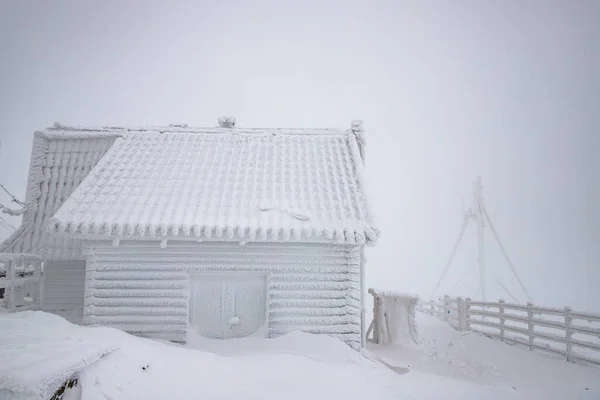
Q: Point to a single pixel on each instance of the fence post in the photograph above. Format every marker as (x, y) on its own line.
(446, 307)
(502, 319)
(568, 333)
(467, 313)
(9, 292)
(376, 319)
(462, 314)
(530, 324)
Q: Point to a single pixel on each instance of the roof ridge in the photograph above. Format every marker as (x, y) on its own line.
(184, 128)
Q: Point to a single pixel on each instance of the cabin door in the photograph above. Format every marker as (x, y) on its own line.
(227, 305)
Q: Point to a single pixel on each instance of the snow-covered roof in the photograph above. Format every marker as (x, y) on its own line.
(221, 183)
(60, 160)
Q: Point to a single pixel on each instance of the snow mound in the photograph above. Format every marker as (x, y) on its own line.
(44, 350)
(321, 348)
(40, 351)
(294, 366)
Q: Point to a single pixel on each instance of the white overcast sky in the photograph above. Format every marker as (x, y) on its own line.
(447, 90)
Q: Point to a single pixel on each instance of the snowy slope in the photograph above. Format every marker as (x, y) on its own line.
(39, 351)
(447, 365)
(475, 358)
(294, 366)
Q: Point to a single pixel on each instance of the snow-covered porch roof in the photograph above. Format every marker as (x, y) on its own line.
(222, 183)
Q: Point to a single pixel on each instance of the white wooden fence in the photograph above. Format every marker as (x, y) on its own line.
(20, 276)
(571, 334)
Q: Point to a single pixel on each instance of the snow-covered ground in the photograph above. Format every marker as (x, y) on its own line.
(475, 358)
(448, 365)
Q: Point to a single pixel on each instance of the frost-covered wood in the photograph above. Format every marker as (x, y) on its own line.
(20, 276)
(143, 289)
(393, 317)
(563, 331)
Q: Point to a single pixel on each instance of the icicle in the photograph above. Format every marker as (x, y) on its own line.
(72, 227)
(197, 229)
(117, 228)
(185, 228)
(296, 234)
(307, 232)
(163, 229)
(275, 234)
(241, 232)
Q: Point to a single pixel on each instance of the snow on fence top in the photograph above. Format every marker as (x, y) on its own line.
(221, 183)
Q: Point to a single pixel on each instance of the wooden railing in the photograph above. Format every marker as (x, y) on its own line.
(574, 335)
(20, 277)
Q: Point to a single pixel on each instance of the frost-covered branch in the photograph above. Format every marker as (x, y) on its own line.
(12, 211)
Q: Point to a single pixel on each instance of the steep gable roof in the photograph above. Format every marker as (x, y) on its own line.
(60, 160)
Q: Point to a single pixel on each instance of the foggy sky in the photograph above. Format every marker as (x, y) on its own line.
(446, 90)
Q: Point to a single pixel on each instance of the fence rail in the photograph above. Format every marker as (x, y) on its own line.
(574, 335)
(20, 276)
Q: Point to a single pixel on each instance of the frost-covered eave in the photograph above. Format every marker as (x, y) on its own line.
(107, 231)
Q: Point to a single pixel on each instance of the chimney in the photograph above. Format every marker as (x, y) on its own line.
(227, 122)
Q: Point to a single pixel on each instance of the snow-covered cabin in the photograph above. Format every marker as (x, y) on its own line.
(226, 230)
